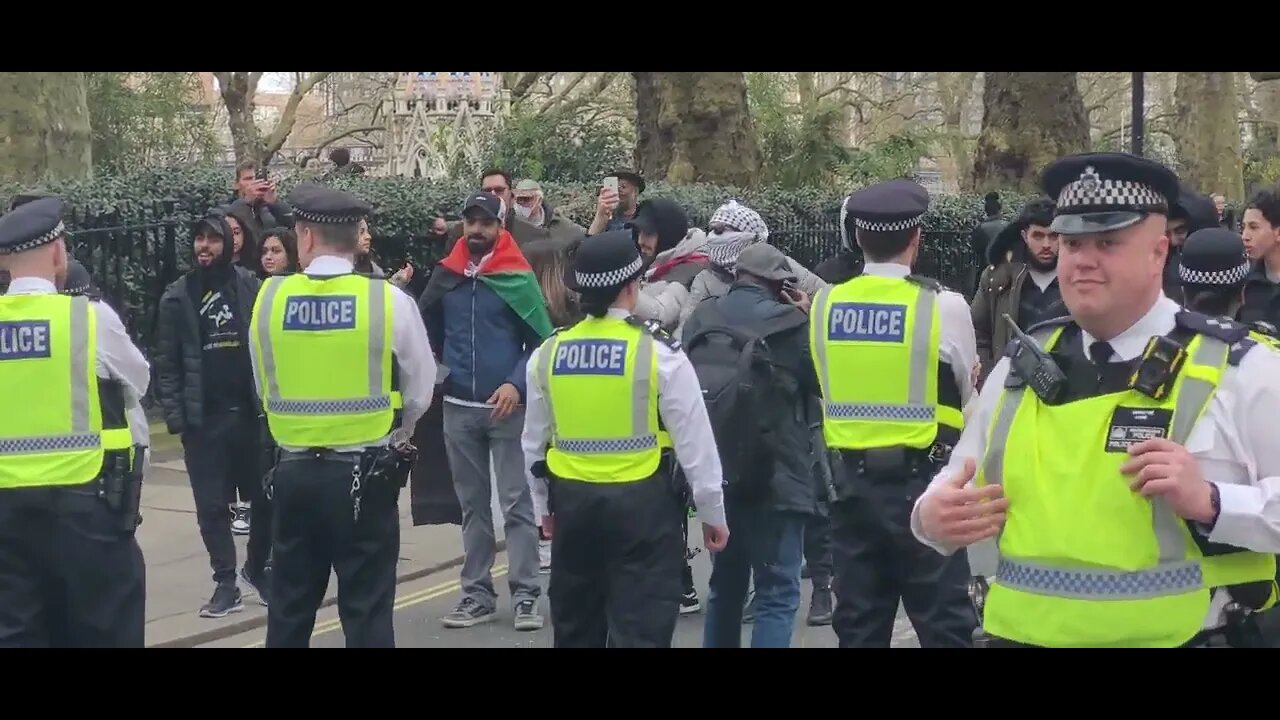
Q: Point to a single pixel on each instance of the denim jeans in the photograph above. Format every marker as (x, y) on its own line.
(766, 545)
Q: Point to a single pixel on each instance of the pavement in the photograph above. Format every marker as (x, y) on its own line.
(421, 604)
(180, 580)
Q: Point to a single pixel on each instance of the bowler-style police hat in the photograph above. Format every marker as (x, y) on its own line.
(604, 262)
(1103, 192)
(1213, 257)
(323, 205)
(888, 206)
(32, 225)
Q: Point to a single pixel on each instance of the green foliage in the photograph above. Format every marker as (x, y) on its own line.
(147, 119)
(560, 145)
(897, 156)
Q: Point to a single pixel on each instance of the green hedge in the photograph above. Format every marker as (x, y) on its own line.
(405, 207)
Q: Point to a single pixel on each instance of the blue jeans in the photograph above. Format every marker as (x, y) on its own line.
(769, 545)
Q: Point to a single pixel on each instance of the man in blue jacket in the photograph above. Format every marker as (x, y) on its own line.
(485, 315)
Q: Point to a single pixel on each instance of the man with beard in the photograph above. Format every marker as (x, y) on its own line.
(1189, 213)
(71, 571)
(485, 314)
(1024, 286)
(205, 386)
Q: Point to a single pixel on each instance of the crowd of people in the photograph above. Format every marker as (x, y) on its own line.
(614, 382)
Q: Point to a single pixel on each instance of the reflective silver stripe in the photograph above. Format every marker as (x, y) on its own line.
(640, 389)
(983, 556)
(377, 335)
(80, 364)
(640, 438)
(1173, 573)
(269, 290)
(915, 409)
(50, 443)
(1171, 579)
(377, 399)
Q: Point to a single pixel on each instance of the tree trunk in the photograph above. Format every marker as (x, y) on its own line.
(695, 127)
(238, 90)
(1028, 120)
(1207, 133)
(44, 123)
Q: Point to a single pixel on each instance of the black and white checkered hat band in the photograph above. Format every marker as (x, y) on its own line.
(1103, 193)
(34, 243)
(324, 219)
(888, 226)
(1233, 276)
(612, 278)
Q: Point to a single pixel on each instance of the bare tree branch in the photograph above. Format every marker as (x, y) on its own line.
(560, 96)
(288, 115)
(521, 87)
(1264, 76)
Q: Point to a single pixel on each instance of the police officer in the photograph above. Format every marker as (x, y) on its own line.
(894, 353)
(71, 571)
(1126, 472)
(344, 369)
(1212, 267)
(611, 396)
(79, 282)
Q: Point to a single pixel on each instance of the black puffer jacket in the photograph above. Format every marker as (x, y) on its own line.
(179, 359)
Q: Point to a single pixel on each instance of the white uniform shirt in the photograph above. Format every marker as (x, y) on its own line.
(117, 357)
(683, 414)
(409, 344)
(1234, 442)
(958, 345)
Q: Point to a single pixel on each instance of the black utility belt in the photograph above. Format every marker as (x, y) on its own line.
(325, 454)
(896, 459)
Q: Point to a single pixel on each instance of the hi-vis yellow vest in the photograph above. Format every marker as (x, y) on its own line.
(51, 432)
(600, 380)
(323, 348)
(1082, 560)
(875, 348)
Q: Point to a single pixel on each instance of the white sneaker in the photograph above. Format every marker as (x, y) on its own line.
(240, 519)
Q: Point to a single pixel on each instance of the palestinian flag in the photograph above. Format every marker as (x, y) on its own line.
(507, 273)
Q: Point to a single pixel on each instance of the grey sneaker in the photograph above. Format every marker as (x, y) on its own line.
(240, 519)
(468, 613)
(527, 617)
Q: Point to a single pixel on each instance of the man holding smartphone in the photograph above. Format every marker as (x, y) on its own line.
(254, 186)
(619, 198)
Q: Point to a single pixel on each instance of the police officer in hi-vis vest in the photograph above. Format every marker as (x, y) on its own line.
(895, 354)
(1122, 461)
(344, 370)
(71, 571)
(608, 400)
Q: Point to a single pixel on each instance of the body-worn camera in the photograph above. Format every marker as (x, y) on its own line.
(1159, 367)
(1031, 365)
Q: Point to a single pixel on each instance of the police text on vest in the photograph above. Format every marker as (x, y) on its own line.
(867, 321)
(24, 339)
(320, 312)
(591, 357)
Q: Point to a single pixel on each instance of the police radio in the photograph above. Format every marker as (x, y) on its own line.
(1029, 363)
(1158, 368)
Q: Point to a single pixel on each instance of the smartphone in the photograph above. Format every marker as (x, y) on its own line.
(611, 183)
(261, 174)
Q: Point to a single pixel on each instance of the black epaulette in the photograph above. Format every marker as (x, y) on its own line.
(654, 328)
(927, 283)
(1050, 323)
(1239, 350)
(1220, 328)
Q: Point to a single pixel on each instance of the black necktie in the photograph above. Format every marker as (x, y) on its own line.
(1101, 353)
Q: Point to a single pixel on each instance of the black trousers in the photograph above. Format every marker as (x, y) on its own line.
(258, 549)
(221, 457)
(314, 532)
(616, 565)
(69, 576)
(877, 562)
(817, 549)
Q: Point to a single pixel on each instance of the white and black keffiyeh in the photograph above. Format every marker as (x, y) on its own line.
(740, 217)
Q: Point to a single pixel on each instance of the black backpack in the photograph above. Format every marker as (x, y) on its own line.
(739, 380)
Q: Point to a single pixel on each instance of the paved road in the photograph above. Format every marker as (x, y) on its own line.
(420, 606)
